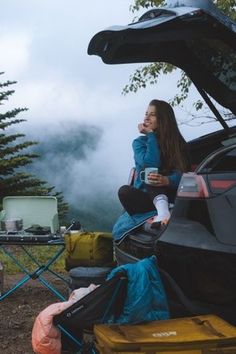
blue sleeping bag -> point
(146, 299)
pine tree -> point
(14, 179)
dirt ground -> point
(19, 310)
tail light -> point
(220, 186)
(192, 186)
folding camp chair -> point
(104, 303)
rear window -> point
(219, 58)
(156, 13)
(224, 163)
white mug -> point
(144, 174)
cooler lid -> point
(34, 210)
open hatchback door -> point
(190, 34)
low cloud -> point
(78, 162)
(16, 50)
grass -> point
(41, 253)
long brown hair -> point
(174, 151)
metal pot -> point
(12, 225)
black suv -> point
(197, 250)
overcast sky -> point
(43, 46)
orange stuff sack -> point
(46, 338)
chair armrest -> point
(131, 176)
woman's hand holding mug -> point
(148, 175)
(158, 179)
(151, 176)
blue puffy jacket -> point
(145, 299)
(147, 154)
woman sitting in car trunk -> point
(162, 146)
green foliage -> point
(183, 83)
(149, 74)
(14, 158)
(226, 6)
(145, 4)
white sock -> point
(162, 205)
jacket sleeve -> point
(147, 151)
(174, 178)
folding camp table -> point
(33, 211)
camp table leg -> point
(46, 267)
(37, 274)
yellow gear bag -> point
(208, 334)
(89, 249)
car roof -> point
(190, 34)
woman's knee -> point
(124, 191)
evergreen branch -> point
(21, 146)
(4, 95)
(11, 150)
(8, 124)
(11, 181)
(18, 176)
(7, 166)
(6, 139)
(12, 113)
(7, 83)
(14, 185)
